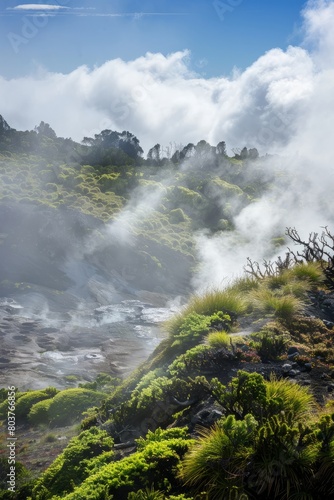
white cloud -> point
(38, 6)
(159, 99)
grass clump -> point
(215, 463)
(284, 307)
(218, 339)
(308, 271)
(295, 400)
(228, 300)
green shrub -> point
(193, 327)
(176, 216)
(250, 393)
(73, 465)
(191, 360)
(324, 478)
(66, 407)
(154, 466)
(50, 438)
(271, 342)
(39, 412)
(245, 394)
(26, 400)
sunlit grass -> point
(296, 399)
(229, 301)
(310, 272)
(218, 339)
(298, 289)
(284, 307)
(245, 284)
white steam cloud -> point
(282, 103)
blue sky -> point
(220, 34)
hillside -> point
(236, 400)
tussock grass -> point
(218, 339)
(216, 461)
(229, 301)
(310, 271)
(277, 282)
(296, 399)
(244, 284)
(298, 289)
(284, 307)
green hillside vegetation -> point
(182, 415)
(98, 177)
(236, 402)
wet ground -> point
(39, 348)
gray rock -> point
(286, 367)
(294, 373)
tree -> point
(253, 154)
(244, 153)
(221, 148)
(45, 130)
(176, 158)
(154, 154)
(4, 127)
(188, 151)
(108, 139)
(203, 148)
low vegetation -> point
(236, 402)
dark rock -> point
(294, 373)
(305, 382)
(207, 417)
(330, 388)
(293, 355)
(293, 350)
(308, 366)
(286, 367)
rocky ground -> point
(38, 349)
